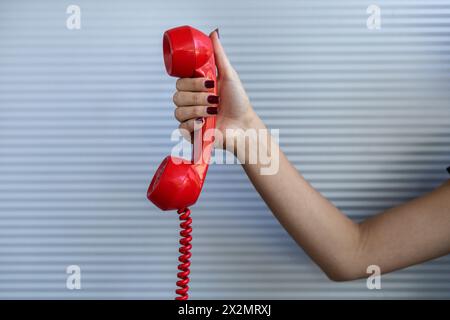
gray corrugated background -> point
(86, 116)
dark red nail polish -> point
(209, 84)
(213, 99)
(211, 110)
(217, 31)
(199, 120)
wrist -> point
(245, 137)
(251, 121)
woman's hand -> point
(194, 99)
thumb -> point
(223, 64)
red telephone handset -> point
(176, 185)
(188, 53)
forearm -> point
(401, 236)
(329, 237)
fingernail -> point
(199, 120)
(211, 110)
(213, 99)
(209, 84)
(217, 31)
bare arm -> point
(399, 237)
(411, 233)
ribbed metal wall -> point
(86, 116)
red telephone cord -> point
(185, 251)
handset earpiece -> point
(185, 50)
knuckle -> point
(177, 114)
(195, 98)
(175, 97)
(178, 84)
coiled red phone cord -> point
(185, 256)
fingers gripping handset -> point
(188, 53)
(177, 183)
